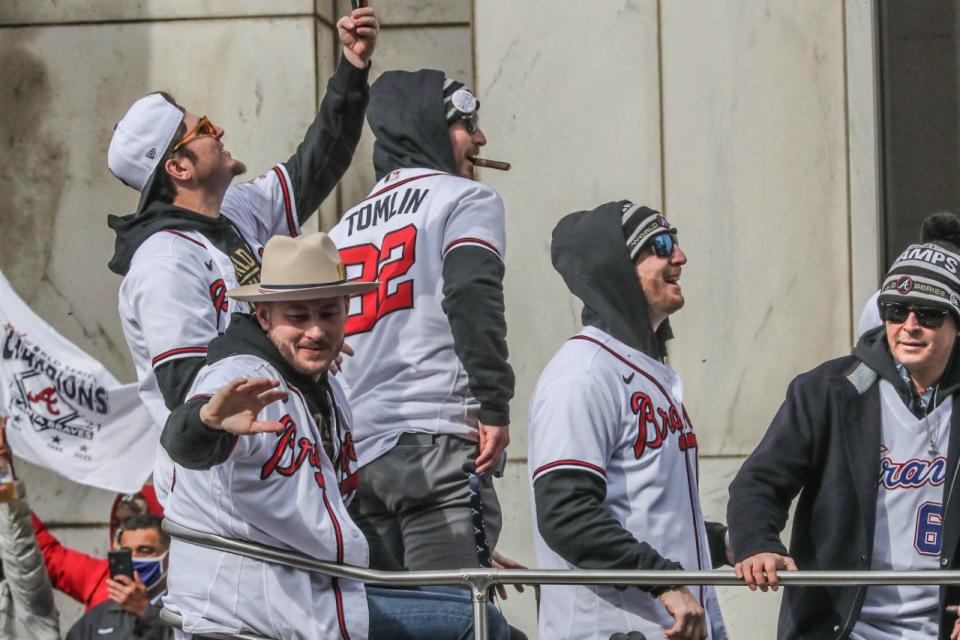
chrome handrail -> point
(480, 580)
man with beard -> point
(193, 236)
(612, 451)
(288, 473)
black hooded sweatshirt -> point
(210, 447)
(314, 169)
(407, 118)
(590, 252)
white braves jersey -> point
(909, 519)
(405, 375)
(279, 489)
(604, 408)
(172, 299)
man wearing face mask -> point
(133, 608)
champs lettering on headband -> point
(639, 225)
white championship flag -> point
(67, 412)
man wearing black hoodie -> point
(193, 236)
(612, 451)
(869, 443)
(430, 383)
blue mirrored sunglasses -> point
(663, 244)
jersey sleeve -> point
(172, 307)
(214, 377)
(477, 219)
(573, 425)
(263, 207)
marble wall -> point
(737, 120)
(750, 124)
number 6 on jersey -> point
(387, 263)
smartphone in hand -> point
(121, 563)
(358, 4)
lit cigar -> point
(492, 164)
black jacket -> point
(824, 444)
(107, 621)
(590, 252)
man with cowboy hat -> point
(193, 235)
(287, 481)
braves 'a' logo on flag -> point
(49, 397)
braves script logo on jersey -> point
(653, 435)
(346, 465)
(299, 450)
(218, 295)
(913, 473)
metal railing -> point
(480, 580)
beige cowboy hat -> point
(302, 268)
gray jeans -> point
(413, 505)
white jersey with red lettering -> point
(604, 408)
(279, 489)
(172, 299)
(909, 520)
(405, 376)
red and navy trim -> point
(570, 463)
(401, 183)
(179, 351)
(474, 242)
(287, 200)
(687, 442)
(185, 237)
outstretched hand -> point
(358, 32)
(235, 407)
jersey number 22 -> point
(391, 260)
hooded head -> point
(410, 114)
(595, 252)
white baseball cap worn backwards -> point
(140, 140)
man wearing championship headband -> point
(193, 236)
(612, 451)
(288, 474)
(870, 444)
(430, 384)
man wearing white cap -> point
(289, 472)
(193, 236)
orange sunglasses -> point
(203, 128)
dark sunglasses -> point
(663, 244)
(928, 317)
(472, 121)
(203, 128)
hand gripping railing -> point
(480, 580)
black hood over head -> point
(133, 230)
(244, 336)
(407, 118)
(590, 252)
